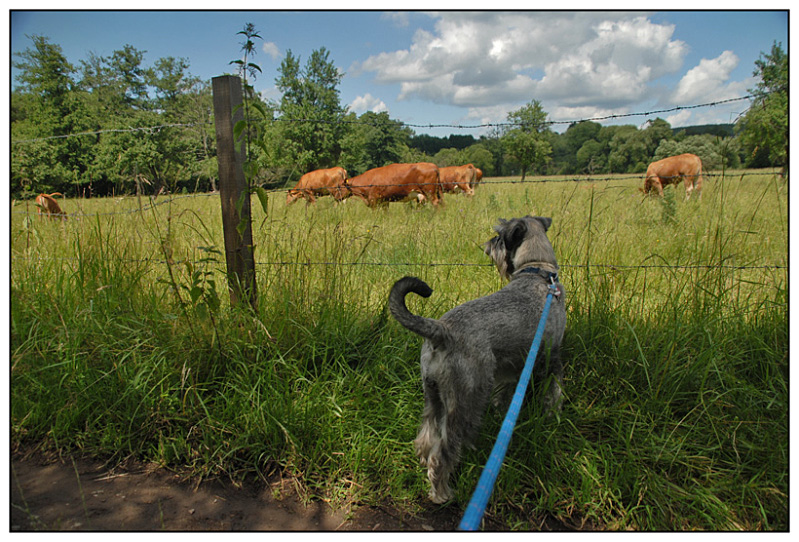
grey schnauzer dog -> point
(481, 346)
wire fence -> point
(158, 127)
(612, 267)
(591, 179)
(596, 266)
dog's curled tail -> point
(426, 327)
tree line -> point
(117, 124)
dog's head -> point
(521, 241)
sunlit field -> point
(123, 343)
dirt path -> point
(82, 495)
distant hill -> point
(722, 130)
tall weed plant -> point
(123, 343)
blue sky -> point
(459, 68)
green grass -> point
(676, 414)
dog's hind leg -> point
(430, 430)
(455, 419)
(431, 443)
(552, 399)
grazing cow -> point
(687, 167)
(458, 177)
(394, 182)
(49, 206)
(321, 182)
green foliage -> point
(430, 145)
(714, 152)
(527, 142)
(81, 122)
(53, 109)
(477, 155)
(764, 128)
(375, 140)
(248, 70)
(627, 150)
(311, 94)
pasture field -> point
(676, 411)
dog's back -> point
(506, 319)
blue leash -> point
(485, 486)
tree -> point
(119, 88)
(374, 141)
(449, 157)
(714, 152)
(567, 146)
(310, 107)
(590, 158)
(764, 127)
(656, 131)
(45, 157)
(629, 151)
(493, 143)
(130, 77)
(386, 139)
(104, 125)
(527, 141)
(480, 157)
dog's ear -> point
(513, 234)
(501, 226)
(545, 221)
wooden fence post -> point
(233, 190)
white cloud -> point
(595, 61)
(615, 66)
(706, 81)
(367, 102)
(681, 118)
(271, 49)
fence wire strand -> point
(587, 179)
(158, 127)
(610, 267)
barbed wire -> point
(508, 124)
(156, 128)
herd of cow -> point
(424, 182)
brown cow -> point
(321, 182)
(394, 182)
(454, 177)
(49, 206)
(687, 167)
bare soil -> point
(78, 494)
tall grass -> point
(123, 344)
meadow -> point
(675, 416)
